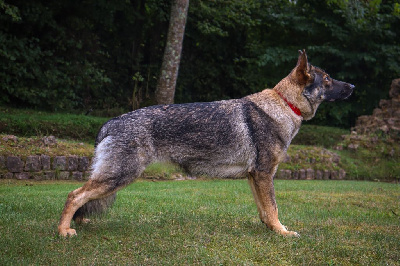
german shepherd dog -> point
(225, 138)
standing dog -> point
(225, 138)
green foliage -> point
(32, 123)
(23, 147)
(67, 55)
(81, 55)
(205, 222)
(327, 137)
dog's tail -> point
(93, 207)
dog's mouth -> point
(344, 94)
(351, 89)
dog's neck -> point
(291, 105)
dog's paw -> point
(285, 232)
(290, 234)
(66, 232)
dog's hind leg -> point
(91, 190)
(262, 186)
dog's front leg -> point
(262, 186)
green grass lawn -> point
(205, 222)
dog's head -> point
(313, 86)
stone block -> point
(310, 173)
(334, 175)
(394, 88)
(295, 175)
(72, 163)
(319, 174)
(63, 175)
(45, 161)
(22, 175)
(37, 175)
(2, 163)
(327, 175)
(8, 175)
(15, 164)
(302, 174)
(60, 163)
(32, 164)
(49, 175)
(77, 176)
(83, 163)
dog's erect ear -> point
(302, 75)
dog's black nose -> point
(350, 86)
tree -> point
(165, 91)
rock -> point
(77, 176)
(309, 173)
(37, 175)
(8, 175)
(32, 164)
(295, 175)
(63, 175)
(49, 175)
(302, 174)
(14, 164)
(395, 88)
(83, 163)
(72, 163)
(334, 175)
(49, 141)
(10, 138)
(384, 119)
(353, 146)
(60, 163)
(326, 175)
(22, 176)
(2, 162)
(45, 161)
(319, 174)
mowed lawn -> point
(205, 222)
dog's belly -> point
(225, 163)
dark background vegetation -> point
(74, 56)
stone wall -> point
(310, 174)
(44, 167)
(386, 118)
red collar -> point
(291, 105)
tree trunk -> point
(172, 54)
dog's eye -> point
(326, 78)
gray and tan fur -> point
(225, 138)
